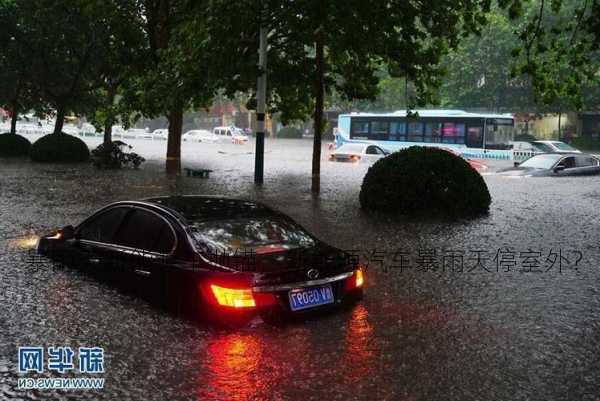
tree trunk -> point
(174, 143)
(108, 123)
(559, 118)
(60, 119)
(110, 119)
(15, 114)
(319, 95)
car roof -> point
(195, 208)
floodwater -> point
(518, 319)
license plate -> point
(303, 298)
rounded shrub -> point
(60, 148)
(289, 132)
(424, 180)
(114, 155)
(13, 145)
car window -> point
(586, 161)
(371, 150)
(103, 227)
(256, 235)
(146, 231)
(567, 162)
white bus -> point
(482, 136)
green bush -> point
(12, 145)
(60, 148)
(424, 180)
(585, 143)
(289, 132)
(525, 138)
(113, 156)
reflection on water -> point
(232, 362)
(360, 346)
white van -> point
(234, 134)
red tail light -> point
(233, 297)
(357, 280)
(355, 157)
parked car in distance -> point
(146, 134)
(358, 152)
(134, 133)
(555, 165)
(160, 134)
(231, 258)
(554, 147)
(118, 132)
(199, 135)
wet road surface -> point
(495, 327)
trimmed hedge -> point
(585, 143)
(424, 180)
(289, 132)
(14, 145)
(62, 148)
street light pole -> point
(261, 95)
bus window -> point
(433, 132)
(475, 137)
(453, 133)
(359, 130)
(498, 136)
(415, 132)
(398, 131)
(379, 130)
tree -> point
(69, 42)
(174, 77)
(318, 46)
(16, 90)
(560, 51)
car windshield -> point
(249, 235)
(541, 161)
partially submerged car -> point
(555, 164)
(358, 152)
(199, 135)
(554, 147)
(232, 258)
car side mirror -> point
(68, 232)
(558, 168)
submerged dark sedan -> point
(229, 257)
(556, 164)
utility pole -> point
(261, 95)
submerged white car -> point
(358, 152)
(554, 147)
(199, 135)
(160, 134)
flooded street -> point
(454, 310)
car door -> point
(94, 237)
(144, 244)
(566, 167)
(373, 153)
(587, 165)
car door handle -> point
(144, 273)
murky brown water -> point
(497, 332)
